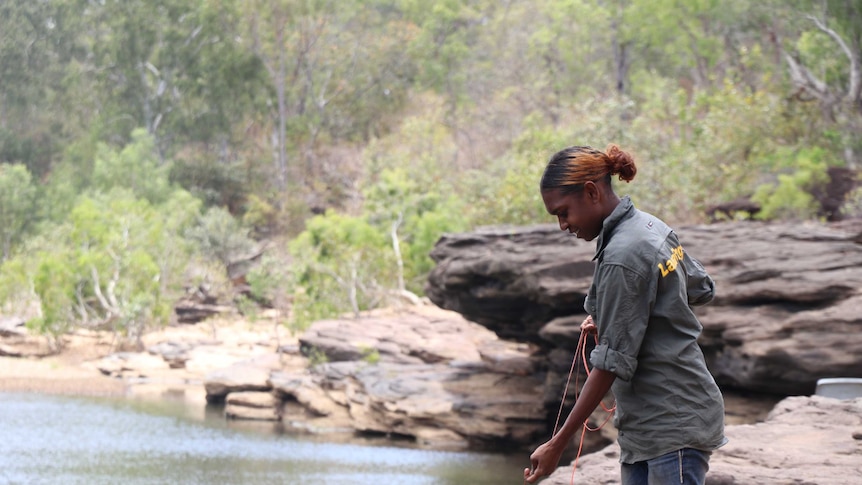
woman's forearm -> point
(595, 388)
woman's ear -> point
(592, 192)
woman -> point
(670, 412)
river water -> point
(47, 439)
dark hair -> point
(571, 168)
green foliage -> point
(247, 307)
(315, 356)
(852, 206)
(790, 197)
(259, 214)
(430, 159)
(507, 192)
(39, 41)
(118, 243)
(223, 183)
(422, 232)
(17, 294)
(69, 178)
(17, 206)
(272, 283)
(447, 30)
(174, 67)
(220, 236)
(370, 355)
(117, 259)
(816, 49)
(721, 144)
(405, 118)
(414, 218)
(136, 167)
(55, 284)
(341, 264)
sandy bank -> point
(79, 369)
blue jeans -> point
(686, 466)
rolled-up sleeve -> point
(624, 300)
(700, 286)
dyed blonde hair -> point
(571, 168)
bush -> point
(790, 197)
(341, 263)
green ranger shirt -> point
(640, 300)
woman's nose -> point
(563, 224)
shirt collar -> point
(622, 211)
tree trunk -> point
(396, 246)
(281, 162)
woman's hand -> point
(543, 461)
(588, 326)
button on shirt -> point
(641, 297)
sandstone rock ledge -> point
(804, 441)
(787, 311)
(421, 373)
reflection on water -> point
(61, 440)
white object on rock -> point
(839, 387)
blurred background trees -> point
(143, 143)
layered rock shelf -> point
(788, 308)
(422, 373)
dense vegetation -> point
(148, 145)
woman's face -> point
(578, 213)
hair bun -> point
(621, 163)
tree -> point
(220, 236)
(136, 167)
(175, 68)
(116, 264)
(336, 69)
(117, 260)
(790, 197)
(17, 206)
(413, 217)
(825, 65)
(341, 263)
(38, 42)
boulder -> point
(17, 341)
(477, 407)
(251, 399)
(308, 391)
(422, 335)
(243, 376)
(505, 357)
(199, 303)
(249, 405)
(437, 379)
(512, 280)
(174, 353)
(804, 440)
(788, 308)
(130, 364)
(12, 327)
(27, 346)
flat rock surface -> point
(422, 335)
(804, 441)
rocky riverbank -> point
(787, 311)
(174, 360)
(419, 373)
(490, 373)
(804, 440)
